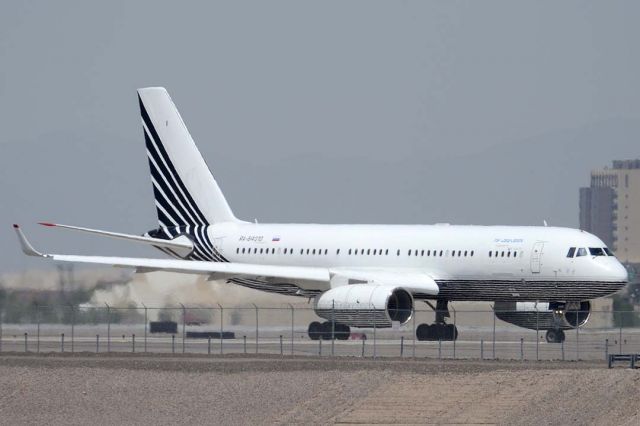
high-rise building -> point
(610, 208)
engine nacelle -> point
(365, 305)
(544, 316)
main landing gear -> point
(555, 336)
(328, 329)
(439, 330)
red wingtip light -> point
(46, 224)
(16, 226)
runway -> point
(270, 389)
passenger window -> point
(490, 253)
(471, 253)
(465, 253)
(502, 255)
(441, 253)
(338, 251)
(596, 251)
(572, 251)
(515, 253)
(242, 250)
(386, 252)
(453, 253)
(349, 252)
(255, 250)
(398, 252)
(581, 252)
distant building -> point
(610, 208)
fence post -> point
(184, 323)
(38, 329)
(108, 328)
(133, 343)
(374, 333)
(244, 338)
(208, 345)
(292, 323)
(1, 322)
(439, 348)
(281, 352)
(256, 308)
(146, 322)
(221, 327)
(62, 342)
(414, 331)
(401, 346)
(522, 349)
(606, 349)
(320, 346)
(494, 332)
(25, 342)
(620, 339)
(455, 329)
(173, 343)
(577, 334)
(363, 341)
(73, 325)
(562, 348)
(537, 333)
(333, 327)
(97, 343)
(481, 350)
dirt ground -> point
(83, 389)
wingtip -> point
(26, 246)
(46, 224)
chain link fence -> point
(283, 330)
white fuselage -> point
(467, 262)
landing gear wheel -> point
(423, 332)
(315, 330)
(435, 332)
(342, 332)
(555, 336)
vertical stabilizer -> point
(184, 189)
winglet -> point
(27, 248)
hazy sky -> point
(379, 112)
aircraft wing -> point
(307, 277)
(315, 278)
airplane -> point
(357, 275)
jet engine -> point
(365, 305)
(544, 316)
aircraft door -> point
(536, 257)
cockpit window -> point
(609, 252)
(596, 251)
(572, 251)
(581, 252)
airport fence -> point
(283, 330)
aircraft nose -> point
(620, 272)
